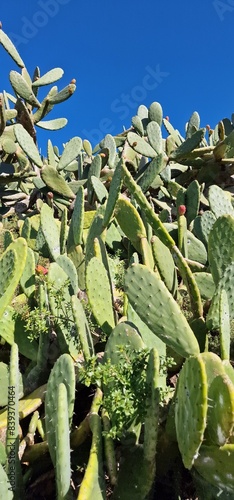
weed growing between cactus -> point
(116, 304)
(125, 401)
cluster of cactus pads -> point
(124, 247)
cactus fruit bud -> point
(181, 209)
(167, 118)
(41, 269)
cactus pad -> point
(220, 418)
(191, 409)
(216, 465)
(140, 145)
(12, 264)
(62, 372)
(220, 203)
(220, 246)
(99, 294)
(156, 307)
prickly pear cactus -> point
(99, 294)
(62, 373)
(191, 409)
(156, 307)
(216, 465)
(12, 264)
(220, 247)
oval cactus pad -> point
(191, 408)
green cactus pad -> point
(12, 264)
(93, 484)
(63, 95)
(203, 225)
(220, 246)
(4, 376)
(149, 338)
(63, 231)
(132, 476)
(99, 189)
(62, 439)
(224, 325)
(220, 417)
(214, 366)
(10, 48)
(69, 268)
(56, 182)
(99, 294)
(93, 223)
(9, 146)
(140, 145)
(226, 283)
(25, 230)
(94, 169)
(50, 231)
(22, 88)
(12, 330)
(142, 111)
(87, 147)
(27, 144)
(55, 124)
(220, 203)
(109, 143)
(216, 465)
(156, 113)
(130, 222)
(137, 124)
(229, 370)
(76, 254)
(156, 307)
(188, 145)
(8, 237)
(205, 284)
(192, 201)
(124, 334)
(114, 237)
(70, 152)
(52, 160)
(77, 220)
(82, 327)
(155, 136)
(191, 409)
(149, 175)
(62, 372)
(196, 250)
(193, 124)
(114, 191)
(174, 134)
(45, 107)
(27, 280)
(165, 264)
(48, 78)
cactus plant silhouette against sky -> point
(128, 55)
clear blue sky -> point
(126, 53)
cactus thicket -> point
(116, 303)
